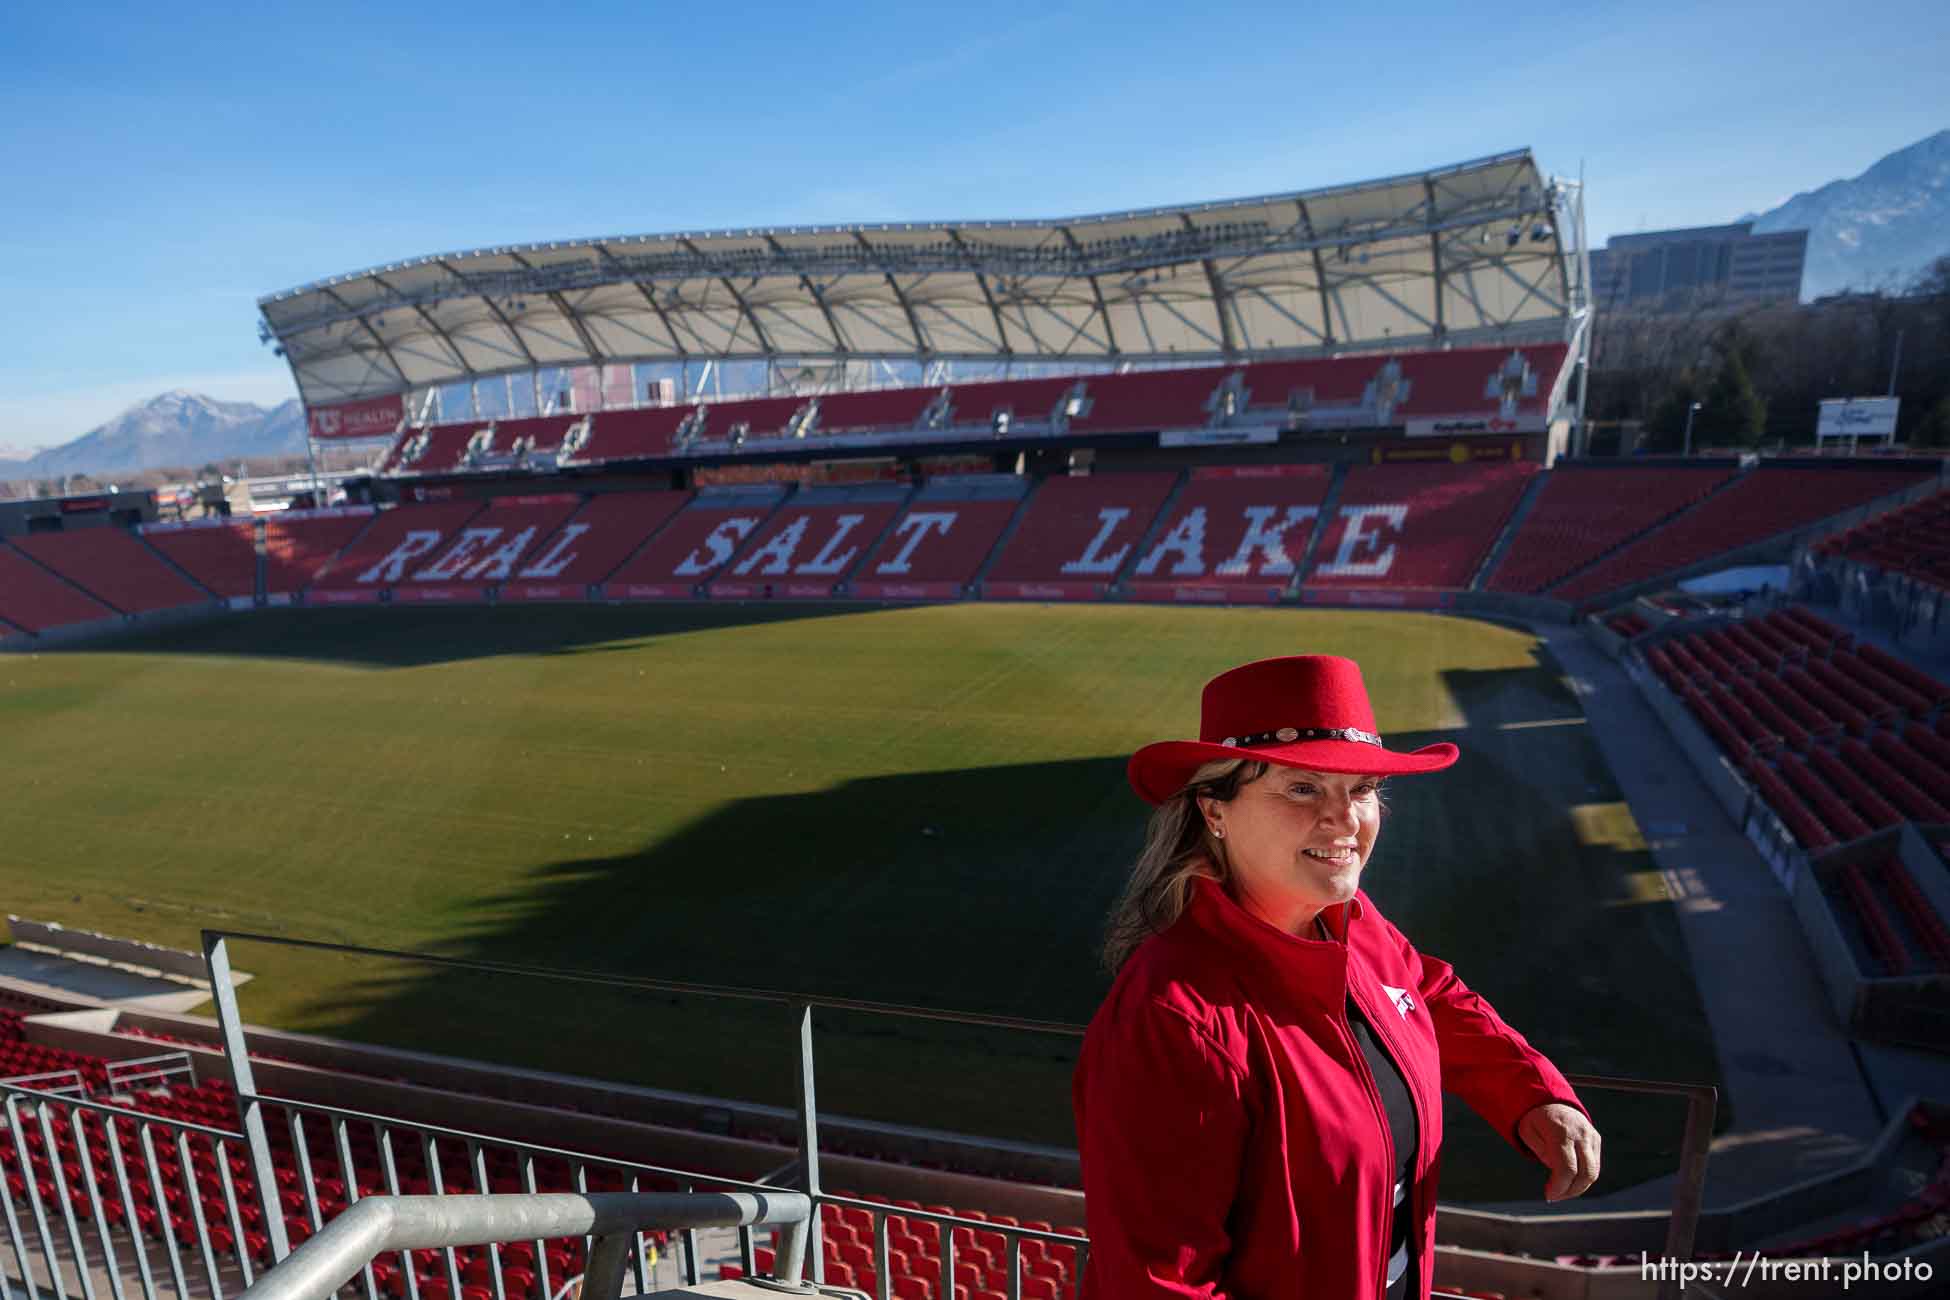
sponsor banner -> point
(1043, 590)
(434, 494)
(334, 596)
(805, 590)
(376, 418)
(279, 598)
(1218, 437)
(430, 595)
(908, 590)
(544, 591)
(1256, 471)
(83, 505)
(735, 591)
(539, 499)
(329, 512)
(1186, 593)
(1858, 417)
(243, 602)
(1450, 426)
(188, 525)
(1377, 598)
(1460, 452)
(647, 591)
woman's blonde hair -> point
(1178, 849)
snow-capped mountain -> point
(1878, 230)
(176, 429)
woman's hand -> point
(1561, 1137)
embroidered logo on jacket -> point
(1403, 1002)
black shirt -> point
(1401, 1127)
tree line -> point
(1759, 373)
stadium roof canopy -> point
(1478, 252)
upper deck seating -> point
(1144, 401)
(539, 433)
(1480, 381)
(115, 567)
(1077, 535)
(762, 417)
(399, 542)
(1025, 401)
(811, 544)
(219, 553)
(591, 544)
(1762, 503)
(1234, 533)
(1422, 526)
(496, 545)
(1582, 512)
(1274, 389)
(694, 546)
(445, 446)
(887, 409)
(300, 543)
(935, 549)
(643, 434)
(35, 600)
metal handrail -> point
(381, 1224)
(1689, 1185)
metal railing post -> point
(810, 1246)
(602, 1276)
(216, 960)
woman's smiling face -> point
(1296, 841)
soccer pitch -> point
(921, 805)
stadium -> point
(675, 783)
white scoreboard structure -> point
(1856, 418)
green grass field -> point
(923, 806)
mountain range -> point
(177, 429)
(1879, 230)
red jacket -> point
(1232, 1139)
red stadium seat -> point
(115, 567)
(1416, 526)
(1232, 534)
(1582, 513)
(1076, 535)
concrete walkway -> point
(1802, 1098)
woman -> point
(1258, 1101)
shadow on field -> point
(413, 636)
(984, 890)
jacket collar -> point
(1317, 965)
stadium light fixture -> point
(1691, 411)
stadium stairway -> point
(1149, 537)
(1604, 556)
(170, 563)
(1002, 540)
(1500, 547)
(1329, 504)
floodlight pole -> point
(1691, 411)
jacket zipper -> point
(1387, 1138)
(1383, 1037)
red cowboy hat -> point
(1306, 711)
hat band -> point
(1287, 735)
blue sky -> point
(172, 163)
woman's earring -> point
(1218, 832)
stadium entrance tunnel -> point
(984, 890)
(377, 636)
